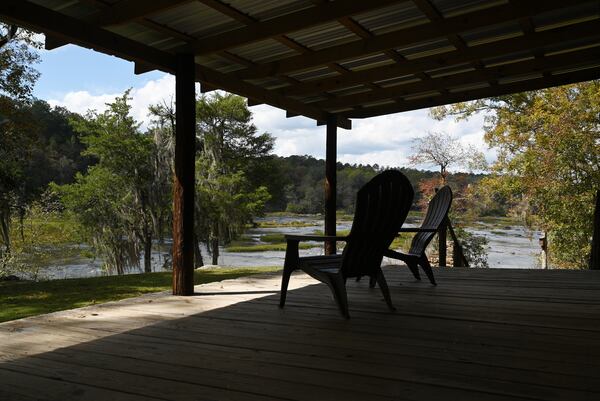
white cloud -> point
(384, 140)
(151, 93)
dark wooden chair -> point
(381, 207)
(437, 214)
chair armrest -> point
(323, 238)
(417, 230)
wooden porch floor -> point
(480, 335)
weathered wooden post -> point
(595, 255)
(330, 182)
(184, 178)
(543, 241)
(442, 251)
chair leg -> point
(372, 281)
(338, 287)
(424, 262)
(414, 268)
(384, 289)
(289, 265)
(285, 280)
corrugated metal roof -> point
(264, 51)
(346, 57)
(263, 10)
(388, 19)
(196, 19)
(323, 36)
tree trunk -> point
(199, 261)
(148, 253)
(214, 244)
(5, 222)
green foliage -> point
(228, 194)
(115, 200)
(304, 183)
(474, 248)
(21, 298)
(44, 236)
(548, 164)
(17, 77)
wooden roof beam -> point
(130, 10)
(72, 30)
(260, 30)
(497, 90)
(380, 43)
(494, 49)
(542, 65)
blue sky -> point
(81, 79)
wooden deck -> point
(480, 335)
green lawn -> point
(20, 299)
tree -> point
(117, 200)
(17, 77)
(548, 165)
(443, 150)
(229, 149)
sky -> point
(81, 80)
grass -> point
(266, 247)
(20, 299)
(275, 238)
(275, 224)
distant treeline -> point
(299, 187)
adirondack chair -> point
(381, 207)
(437, 213)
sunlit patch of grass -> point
(267, 247)
(275, 224)
(273, 238)
(20, 299)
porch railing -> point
(458, 255)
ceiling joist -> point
(260, 30)
(414, 54)
(399, 38)
(130, 10)
(530, 66)
(496, 90)
(68, 29)
(499, 48)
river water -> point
(509, 247)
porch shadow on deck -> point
(480, 335)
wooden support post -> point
(184, 179)
(458, 256)
(595, 256)
(330, 183)
(442, 251)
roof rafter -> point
(497, 90)
(65, 28)
(542, 65)
(130, 10)
(260, 30)
(380, 43)
(493, 49)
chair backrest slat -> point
(381, 208)
(436, 214)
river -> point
(510, 246)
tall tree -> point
(17, 78)
(229, 147)
(548, 144)
(117, 200)
(442, 150)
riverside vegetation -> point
(109, 180)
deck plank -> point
(488, 334)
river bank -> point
(510, 245)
